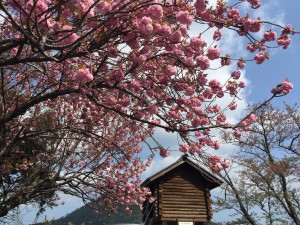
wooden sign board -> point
(185, 223)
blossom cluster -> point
(216, 163)
(113, 71)
(283, 88)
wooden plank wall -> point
(182, 195)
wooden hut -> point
(182, 195)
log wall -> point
(183, 196)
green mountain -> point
(87, 216)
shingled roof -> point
(213, 180)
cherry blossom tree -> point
(265, 189)
(84, 83)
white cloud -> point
(277, 15)
(160, 163)
(230, 45)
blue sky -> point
(261, 78)
(282, 64)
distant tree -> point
(47, 222)
(15, 217)
(264, 186)
(84, 83)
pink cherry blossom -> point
(255, 25)
(283, 88)
(284, 41)
(164, 30)
(217, 35)
(251, 47)
(171, 70)
(196, 44)
(225, 61)
(232, 106)
(184, 147)
(184, 30)
(252, 117)
(164, 153)
(207, 16)
(176, 36)
(260, 57)
(145, 25)
(214, 83)
(242, 84)
(184, 17)
(270, 35)
(155, 12)
(234, 14)
(225, 164)
(84, 75)
(203, 62)
(254, 3)
(104, 7)
(221, 119)
(213, 53)
(236, 75)
(241, 64)
(216, 163)
(153, 109)
(288, 30)
(237, 133)
(200, 5)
